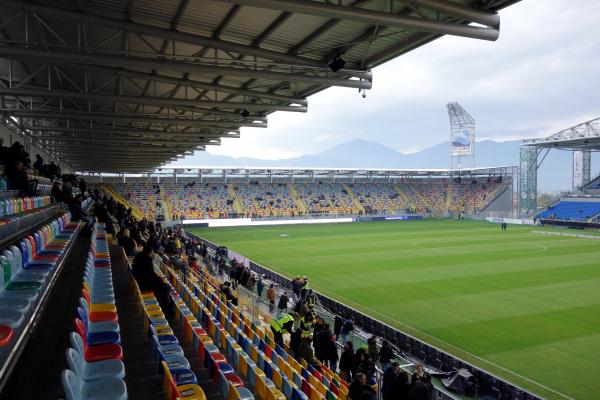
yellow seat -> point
(190, 392)
(275, 394)
(163, 330)
(103, 307)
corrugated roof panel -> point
(296, 28)
(203, 17)
(250, 22)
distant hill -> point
(554, 175)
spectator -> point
(17, 179)
(330, 353)
(38, 165)
(271, 297)
(373, 351)
(359, 390)
(260, 285)
(346, 329)
(56, 192)
(337, 325)
(283, 303)
(421, 389)
(296, 283)
(148, 280)
(194, 266)
(347, 369)
(386, 354)
(127, 243)
(392, 389)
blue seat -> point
(96, 370)
(96, 327)
(103, 389)
(177, 363)
(184, 377)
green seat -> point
(10, 284)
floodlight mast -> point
(462, 136)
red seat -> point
(6, 333)
(99, 352)
(235, 380)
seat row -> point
(221, 371)
(96, 370)
(26, 270)
(179, 381)
(272, 372)
(11, 209)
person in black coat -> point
(283, 302)
(347, 362)
(421, 389)
(148, 280)
(337, 325)
(386, 354)
(359, 390)
(330, 353)
(390, 375)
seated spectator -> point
(17, 179)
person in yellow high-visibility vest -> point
(281, 324)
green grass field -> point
(520, 305)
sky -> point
(542, 75)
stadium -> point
(127, 274)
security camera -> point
(364, 95)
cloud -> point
(538, 78)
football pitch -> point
(523, 306)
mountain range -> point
(554, 174)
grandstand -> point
(216, 197)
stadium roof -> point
(584, 136)
(331, 172)
(129, 85)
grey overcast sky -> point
(542, 75)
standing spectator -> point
(347, 362)
(421, 389)
(271, 297)
(337, 325)
(38, 165)
(304, 287)
(127, 243)
(330, 353)
(283, 303)
(386, 354)
(373, 351)
(56, 192)
(296, 288)
(390, 377)
(260, 285)
(346, 329)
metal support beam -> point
(149, 100)
(355, 14)
(363, 80)
(161, 33)
(130, 132)
(127, 119)
(193, 84)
